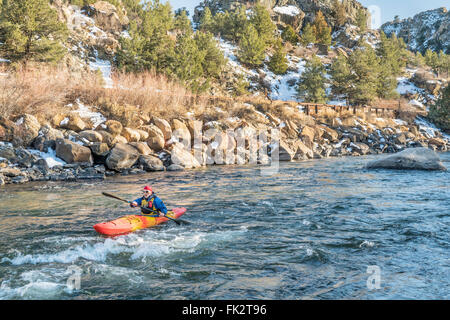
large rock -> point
(113, 127)
(122, 156)
(132, 135)
(180, 156)
(164, 126)
(413, 158)
(142, 147)
(91, 135)
(107, 16)
(28, 129)
(72, 152)
(181, 132)
(47, 138)
(151, 163)
(7, 129)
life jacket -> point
(149, 203)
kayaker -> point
(151, 201)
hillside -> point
(115, 86)
(426, 30)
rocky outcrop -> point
(426, 30)
(410, 159)
(307, 9)
(107, 16)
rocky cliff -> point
(303, 10)
(426, 30)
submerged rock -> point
(412, 159)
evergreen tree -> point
(130, 56)
(341, 77)
(188, 62)
(278, 63)
(308, 35)
(30, 31)
(214, 61)
(339, 13)
(235, 24)
(251, 47)
(290, 35)
(392, 52)
(322, 31)
(440, 111)
(311, 85)
(361, 20)
(432, 60)
(206, 23)
(365, 75)
(260, 18)
(182, 22)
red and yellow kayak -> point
(135, 222)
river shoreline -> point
(56, 154)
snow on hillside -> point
(287, 10)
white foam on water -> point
(366, 243)
(139, 245)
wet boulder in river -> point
(412, 159)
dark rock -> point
(412, 158)
(151, 163)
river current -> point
(319, 229)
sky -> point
(382, 10)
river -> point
(319, 229)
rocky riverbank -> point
(71, 148)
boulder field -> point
(69, 149)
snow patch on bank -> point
(49, 157)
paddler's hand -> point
(133, 204)
(161, 214)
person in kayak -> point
(150, 201)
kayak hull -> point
(130, 223)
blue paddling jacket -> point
(153, 202)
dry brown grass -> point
(145, 93)
(39, 91)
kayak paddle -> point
(146, 210)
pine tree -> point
(440, 111)
(392, 53)
(206, 23)
(339, 13)
(290, 35)
(130, 56)
(188, 62)
(308, 35)
(260, 18)
(311, 85)
(235, 24)
(365, 75)
(361, 20)
(251, 47)
(341, 77)
(278, 63)
(322, 31)
(432, 60)
(30, 31)
(214, 61)
(182, 22)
